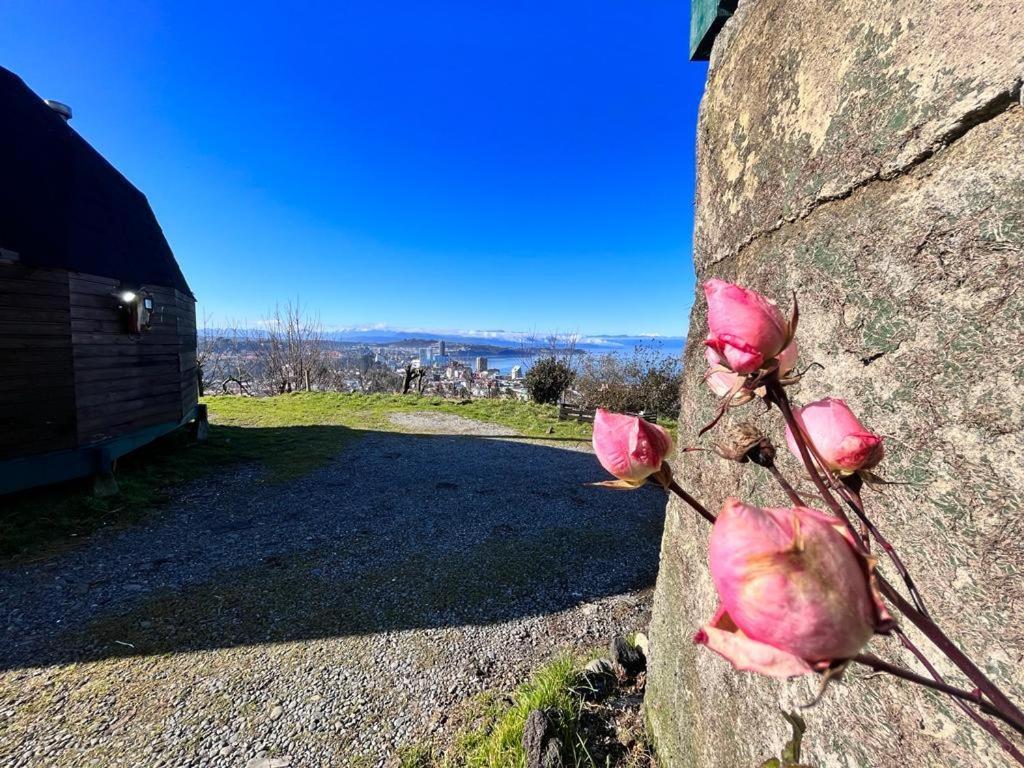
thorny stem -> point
(776, 394)
(932, 631)
(987, 725)
(784, 484)
(700, 508)
(879, 665)
(852, 496)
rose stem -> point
(987, 725)
(877, 664)
(784, 483)
(932, 631)
(700, 508)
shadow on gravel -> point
(399, 532)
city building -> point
(481, 364)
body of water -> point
(668, 347)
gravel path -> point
(327, 621)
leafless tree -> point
(206, 351)
(290, 349)
(373, 377)
(235, 363)
(557, 345)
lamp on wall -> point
(137, 308)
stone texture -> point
(873, 163)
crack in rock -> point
(983, 113)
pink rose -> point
(796, 594)
(629, 447)
(745, 329)
(843, 443)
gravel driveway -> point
(326, 621)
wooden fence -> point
(570, 412)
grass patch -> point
(373, 411)
(498, 742)
(494, 738)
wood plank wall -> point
(37, 393)
(124, 382)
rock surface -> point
(872, 161)
(540, 743)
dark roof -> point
(62, 205)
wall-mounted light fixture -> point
(136, 308)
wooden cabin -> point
(97, 323)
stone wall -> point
(870, 156)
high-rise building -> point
(517, 371)
(481, 364)
(440, 348)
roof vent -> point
(61, 109)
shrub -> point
(547, 379)
(645, 381)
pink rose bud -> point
(796, 594)
(629, 447)
(841, 441)
(746, 329)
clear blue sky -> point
(472, 164)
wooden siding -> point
(123, 382)
(37, 397)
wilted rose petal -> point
(720, 379)
(724, 638)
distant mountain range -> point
(498, 338)
(488, 341)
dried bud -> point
(744, 442)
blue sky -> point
(477, 165)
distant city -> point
(266, 361)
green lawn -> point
(358, 411)
(290, 435)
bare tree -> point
(235, 362)
(290, 349)
(373, 377)
(209, 353)
(556, 345)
